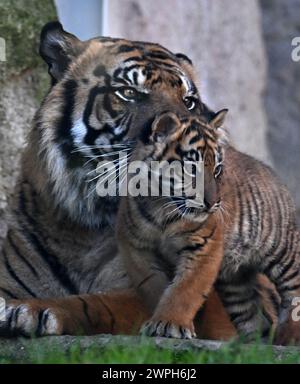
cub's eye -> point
(190, 102)
(127, 94)
(218, 170)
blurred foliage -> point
(20, 25)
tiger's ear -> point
(218, 119)
(183, 58)
(164, 125)
(58, 48)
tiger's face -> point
(194, 141)
(110, 89)
(105, 93)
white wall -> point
(83, 18)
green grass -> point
(146, 352)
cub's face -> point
(109, 91)
(186, 155)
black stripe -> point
(58, 270)
(134, 58)
(144, 212)
(107, 106)
(239, 318)
(239, 301)
(15, 277)
(8, 293)
(113, 321)
(160, 56)
(108, 39)
(254, 223)
(18, 253)
(289, 288)
(275, 262)
(41, 322)
(191, 248)
(196, 246)
(289, 277)
(85, 308)
(126, 48)
(92, 133)
(145, 280)
(135, 78)
(183, 57)
(241, 213)
(281, 276)
(63, 131)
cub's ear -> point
(58, 48)
(164, 125)
(183, 58)
(218, 119)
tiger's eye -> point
(218, 171)
(190, 102)
(127, 94)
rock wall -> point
(23, 82)
(281, 23)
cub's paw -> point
(167, 329)
(26, 319)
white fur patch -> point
(52, 324)
(141, 78)
(78, 131)
(186, 83)
(25, 320)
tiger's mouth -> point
(194, 210)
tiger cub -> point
(175, 253)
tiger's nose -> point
(211, 203)
(208, 203)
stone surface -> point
(281, 23)
(23, 82)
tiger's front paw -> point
(29, 319)
(166, 328)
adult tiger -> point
(60, 249)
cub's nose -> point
(208, 203)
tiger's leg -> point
(285, 275)
(200, 261)
(118, 312)
(213, 321)
(245, 304)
